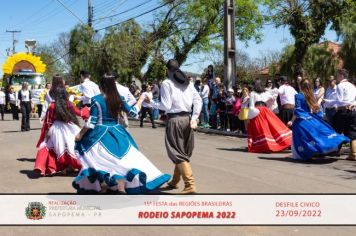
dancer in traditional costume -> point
(345, 103)
(286, 95)
(88, 88)
(57, 81)
(266, 132)
(178, 96)
(107, 151)
(57, 140)
(311, 134)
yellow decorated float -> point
(26, 67)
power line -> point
(43, 17)
(70, 11)
(113, 9)
(105, 6)
(123, 12)
(142, 14)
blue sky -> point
(43, 20)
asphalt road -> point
(220, 164)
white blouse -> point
(25, 95)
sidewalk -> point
(202, 130)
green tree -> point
(53, 66)
(348, 34)
(83, 52)
(318, 62)
(348, 50)
(121, 50)
(307, 21)
(156, 69)
(197, 26)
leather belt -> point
(260, 104)
(344, 108)
(288, 106)
(179, 114)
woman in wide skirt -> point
(266, 132)
(108, 153)
(56, 144)
(311, 134)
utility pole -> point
(90, 14)
(14, 41)
(229, 44)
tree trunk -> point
(300, 51)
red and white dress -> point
(56, 149)
(266, 132)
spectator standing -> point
(297, 84)
(155, 95)
(197, 84)
(2, 103)
(13, 101)
(319, 91)
(204, 94)
(230, 116)
(147, 107)
(243, 114)
(221, 109)
(211, 76)
(215, 90)
(24, 96)
(330, 94)
(274, 92)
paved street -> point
(220, 164)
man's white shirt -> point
(125, 92)
(177, 98)
(89, 90)
(345, 95)
(287, 94)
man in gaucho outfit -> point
(178, 99)
(344, 120)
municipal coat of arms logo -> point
(35, 211)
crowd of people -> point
(300, 115)
(306, 118)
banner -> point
(178, 210)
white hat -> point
(230, 90)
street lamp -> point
(30, 45)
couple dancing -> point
(108, 154)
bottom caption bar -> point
(178, 210)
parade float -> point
(26, 67)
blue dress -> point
(108, 153)
(311, 134)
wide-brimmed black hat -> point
(180, 77)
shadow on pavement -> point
(30, 174)
(34, 175)
(23, 159)
(233, 149)
(313, 161)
